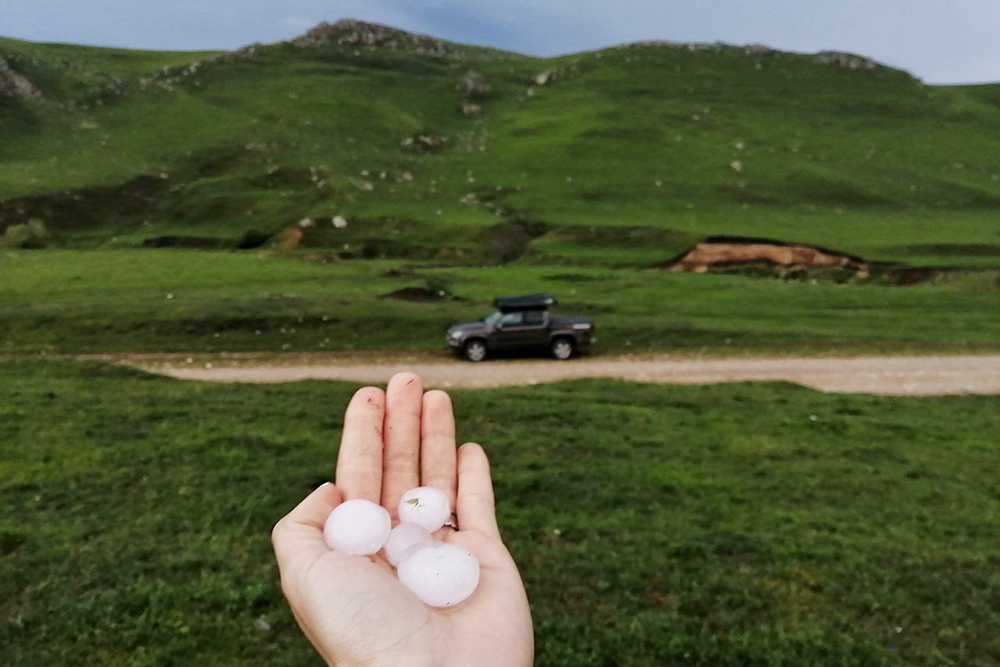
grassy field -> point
(193, 301)
(620, 159)
(722, 525)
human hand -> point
(353, 608)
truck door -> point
(507, 332)
(523, 329)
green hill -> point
(425, 142)
(391, 160)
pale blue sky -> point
(941, 42)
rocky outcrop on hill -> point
(711, 47)
(13, 84)
(360, 33)
(839, 59)
(346, 32)
(169, 77)
(845, 60)
(730, 252)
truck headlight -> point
(455, 334)
(582, 326)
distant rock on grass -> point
(424, 142)
(474, 86)
(13, 84)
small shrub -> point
(32, 235)
(10, 539)
(252, 239)
(505, 242)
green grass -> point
(194, 301)
(729, 525)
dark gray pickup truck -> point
(522, 323)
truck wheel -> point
(474, 350)
(562, 348)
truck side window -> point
(511, 319)
(533, 318)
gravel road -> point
(906, 376)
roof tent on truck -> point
(524, 302)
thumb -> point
(299, 535)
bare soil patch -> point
(729, 252)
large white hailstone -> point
(403, 540)
(441, 575)
(357, 528)
(424, 506)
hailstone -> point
(403, 540)
(424, 506)
(441, 575)
(357, 527)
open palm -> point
(352, 608)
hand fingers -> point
(300, 533)
(437, 444)
(476, 508)
(401, 458)
(359, 463)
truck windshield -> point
(493, 317)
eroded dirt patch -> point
(724, 252)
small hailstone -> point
(357, 528)
(403, 540)
(425, 506)
(441, 575)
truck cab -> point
(522, 323)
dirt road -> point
(873, 375)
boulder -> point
(13, 84)
(474, 86)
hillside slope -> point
(420, 144)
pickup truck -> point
(522, 323)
